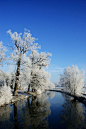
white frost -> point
(72, 80)
(5, 95)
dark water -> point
(51, 110)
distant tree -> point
(2, 52)
(72, 80)
(22, 46)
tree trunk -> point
(33, 90)
(17, 77)
(29, 88)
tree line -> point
(30, 67)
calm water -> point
(51, 110)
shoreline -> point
(23, 95)
(81, 98)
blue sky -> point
(59, 25)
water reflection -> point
(33, 115)
(35, 112)
(5, 117)
(28, 113)
(73, 114)
(15, 116)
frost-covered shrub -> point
(72, 80)
(5, 95)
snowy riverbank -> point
(81, 97)
(22, 94)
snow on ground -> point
(84, 90)
(19, 91)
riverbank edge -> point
(21, 96)
(14, 99)
(80, 98)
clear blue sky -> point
(59, 25)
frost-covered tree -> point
(40, 80)
(22, 46)
(40, 59)
(24, 78)
(33, 57)
(31, 67)
(2, 52)
(72, 80)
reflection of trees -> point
(28, 113)
(5, 117)
(35, 114)
(5, 112)
(73, 114)
(15, 115)
(50, 94)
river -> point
(50, 110)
